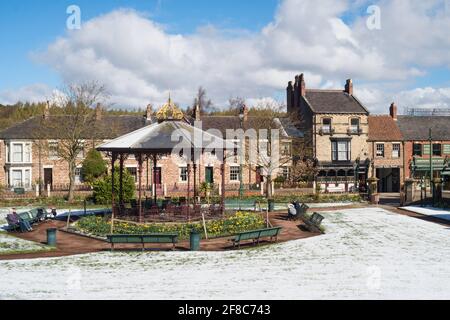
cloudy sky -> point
(143, 49)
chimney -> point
(46, 114)
(149, 112)
(302, 85)
(349, 87)
(197, 114)
(393, 111)
(98, 112)
(290, 97)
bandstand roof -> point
(163, 137)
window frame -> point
(231, 175)
(436, 154)
(328, 126)
(335, 151)
(398, 155)
(181, 174)
(420, 152)
(352, 126)
(382, 150)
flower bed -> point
(239, 222)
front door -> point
(209, 175)
(396, 180)
(48, 177)
(259, 177)
(157, 176)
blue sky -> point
(250, 48)
(30, 25)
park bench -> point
(143, 239)
(300, 211)
(256, 235)
(313, 223)
(34, 215)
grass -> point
(10, 244)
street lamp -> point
(241, 184)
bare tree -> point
(74, 124)
(201, 100)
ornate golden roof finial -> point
(169, 111)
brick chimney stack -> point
(149, 112)
(349, 87)
(46, 114)
(290, 97)
(393, 111)
(197, 113)
(302, 85)
(98, 112)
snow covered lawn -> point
(10, 244)
(366, 253)
(430, 211)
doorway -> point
(209, 175)
(157, 176)
(389, 180)
(48, 177)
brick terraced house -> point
(386, 150)
(23, 164)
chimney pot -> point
(302, 85)
(349, 87)
(393, 111)
(197, 113)
(46, 114)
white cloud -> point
(140, 62)
(32, 93)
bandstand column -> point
(139, 158)
(113, 205)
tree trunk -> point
(269, 194)
(72, 168)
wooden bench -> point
(256, 235)
(313, 223)
(143, 239)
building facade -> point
(386, 149)
(336, 128)
(24, 163)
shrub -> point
(102, 187)
(239, 222)
(93, 166)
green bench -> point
(313, 223)
(34, 215)
(255, 236)
(142, 239)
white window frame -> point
(24, 144)
(181, 174)
(23, 177)
(234, 173)
(379, 150)
(336, 152)
(78, 177)
(51, 154)
(128, 167)
(396, 153)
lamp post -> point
(431, 167)
(241, 184)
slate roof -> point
(108, 127)
(222, 123)
(163, 137)
(384, 128)
(334, 101)
(113, 126)
(417, 127)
